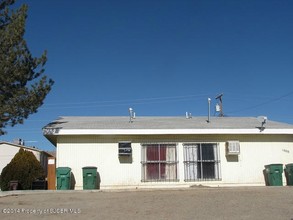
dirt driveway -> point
(193, 203)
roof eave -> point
(52, 136)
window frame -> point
(163, 164)
(198, 162)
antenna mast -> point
(219, 97)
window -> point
(201, 162)
(159, 162)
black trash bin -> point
(289, 174)
(39, 184)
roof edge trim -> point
(167, 131)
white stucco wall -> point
(102, 151)
(249, 166)
(8, 151)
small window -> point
(124, 149)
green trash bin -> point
(89, 177)
(63, 178)
(274, 174)
(289, 174)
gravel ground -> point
(192, 203)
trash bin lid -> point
(63, 170)
(89, 167)
(289, 167)
(274, 165)
(13, 181)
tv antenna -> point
(219, 106)
(263, 120)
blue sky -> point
(162, 58)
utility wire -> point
(121, 102)
(264, 103)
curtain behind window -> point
(160, 161)
(171, 171)
(190, 158)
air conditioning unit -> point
(124, 149)
(232, 148)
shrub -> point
(24, 167)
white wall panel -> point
(102, 151)
(104, 156)
(249, 165)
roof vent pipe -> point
(188, 115)
(131, 114)
(209, 110)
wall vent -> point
(232, 147)
(124, 149)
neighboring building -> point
(170, 151)
(8, 151)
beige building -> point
(170, 151)
(8, 151)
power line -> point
(264, 103)
(122, 102)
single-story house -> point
(171, 151)
(8, 151)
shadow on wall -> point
(98, 181)
(266, 177)
(72, 181)
(125, 159)
(232, 158)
